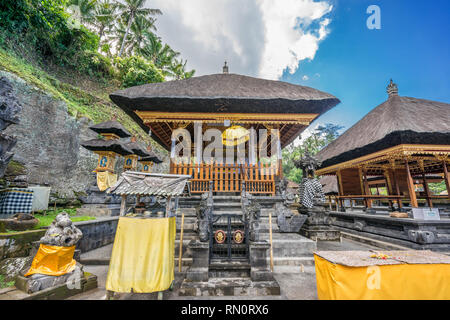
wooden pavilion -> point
(224, 101)
(402, 143)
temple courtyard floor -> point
(294, 284)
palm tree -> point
(162, 55)
(82, 9)
(105, 14)
(178, 70)
(139, 31)
(132, 9)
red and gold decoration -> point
(220, 236)
(238, 236)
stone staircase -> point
(288, 249)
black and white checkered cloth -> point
(15, 200)
(308, 190)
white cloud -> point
(257, 37)
(305, 78)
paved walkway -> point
(294, 284)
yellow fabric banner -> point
(106, 179)
(143, 255)
(383, 282)
(52, 261)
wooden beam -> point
(427, 191)
(410, 182)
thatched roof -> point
(111, 127)
(137, 149)
(150, 184)
(399, 120)
(107, 145)
(222, 93)
(329, 184)
(152, 157)
(231, 93)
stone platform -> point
(407, 232)
(59, 292)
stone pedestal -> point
(318, 224)
(198, 271)
(260, 270)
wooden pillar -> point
(339, 182)
(387, 179)
(367, 190)
(168, 205)
(446, 178)
(361, 179)
(340, 189)
(427, 191)
(123, 205)
(397, 189)
(412, 192)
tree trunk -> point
(126, 33)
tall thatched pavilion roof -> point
(399, 120)
(223, 93)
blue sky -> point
(325, 40)
(355, 63)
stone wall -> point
(96, 233)
(18, 244)
(49, 141)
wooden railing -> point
(259, 178)
(367, 199)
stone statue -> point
(62, 232)
(310, 190)
(204, 211)
(252, 213)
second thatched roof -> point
(399, 120)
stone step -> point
(229, 269)
(229, 287)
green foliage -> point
(46, 218)
(319, 139)
(437, 188)
(135, 70)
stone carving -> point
(62, 232)
(9, 108)
(204, 211)
(310, 190)
(252, 213)
(282, 190)
(288, 221)
(421, 236)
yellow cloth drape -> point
(142, 259)
(106, 179)
(52, 261)
(235, 135)
(384, 282)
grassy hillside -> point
(84, 96)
